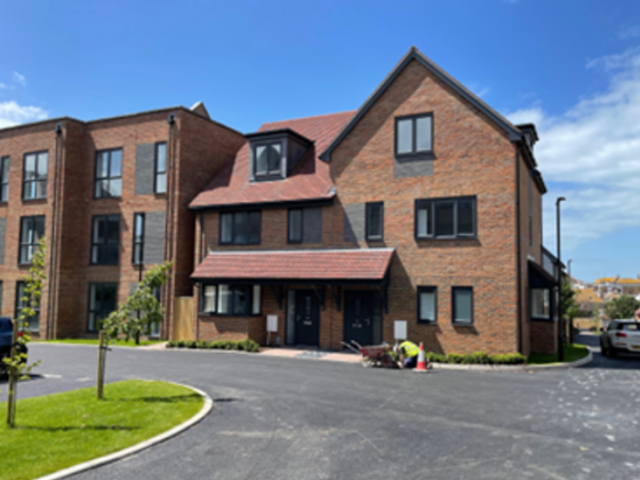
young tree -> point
(17, 364)
(622, 307)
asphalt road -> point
(280, 418)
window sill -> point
(542, 319)
(444, 239)
(427, 322)
(462, 324)
(108, 198)
(228, 315)
(35, 200)
(104, 264)
(400, 157)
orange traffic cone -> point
(422, 366)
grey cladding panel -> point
(145, 168)
(153, 238)
(312, 225)
(3, 229)
(412, 168)
(132, 287)
(354, 222)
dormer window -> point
(268, 159)
(275, 153)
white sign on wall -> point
(272, 323)
(400, 330)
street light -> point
(560, 318)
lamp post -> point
(560, 313)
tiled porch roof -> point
(367, 264)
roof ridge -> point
(308, 117)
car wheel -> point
(612, 352)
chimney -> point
(616, 279)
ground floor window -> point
(33, 322)
(541, 303)
(462, 305)
(233, 300)
(102, 301)
(427, 305)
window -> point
(462, 305)
(446, 218)
(160, 185)
(138, 238)
(33, 322)
(295, 226)
(540, 303)
(105, 239)
(427, 304)
(4, 179)
(268, 158)
(414, 135)
(375, 221)
(232, 300)
(31, 231)
(240, 228)
(34, 178)
(102, 301)
(108, 173)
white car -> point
(621, 336)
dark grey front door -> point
(358, 317)
(307, 318)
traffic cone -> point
(422, 366)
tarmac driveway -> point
(279, 418)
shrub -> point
(246, 345)
(477, 358)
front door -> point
(307, 318)
(358, 317)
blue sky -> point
(571, 66)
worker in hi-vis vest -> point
(408, 352)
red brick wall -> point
(544, 337)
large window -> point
(427, 304)
(462, 305)
(102, 301)
(138, 238)
(294, 230)
(4, 179)
(231, 300)
(34, 180)
(31, 231)
(541, 303)
(414, 135)
(33, 322)
(268, 158)
(160, 185)
(105, 240)
(446, 218)
(108, 173)
(375, 221)
(240, 228)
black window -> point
(34, 180)
(462, 305)
(446, 218)
(427, 304)
(268, 159)
(375, 221)
(108, 173)
(33, 322)
(295, 226)
(138, 238)
(105, 239)
(31, 231)
(414, 135)
(160, 185)
(4, 179)
(541, 303)
(240, 228)
(102, 301)
(231, 300)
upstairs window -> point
(240, 228)
(105, 240)
(268, 160)
(138, 238)
(160, 185)
(375, 221)
(295, 225)
(34, 178)
(414, 135)
(4, 179)
(108, 181)
(446, 218)
(31, 231)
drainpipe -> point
(168, 217)
(52, 244)
(519, 252)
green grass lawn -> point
(58, 431)
(94, 341)
(572, 353)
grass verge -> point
(61, 430)
(94, 341)
(572, 353)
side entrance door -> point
(307, 318)
(358, 317)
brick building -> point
(111, 197)
(424, 206)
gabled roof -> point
(415, 54)
(309, 181)
(587, 296)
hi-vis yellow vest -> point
(410, 349)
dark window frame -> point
(18, 308)
(427, 289)
(102, 285)
(250, 288)
(269, 175)
(234, 212)
(4, 179)
(36, 179)
(367, 212)
(108, 178)
(531, 304)
(156, 172)
(138, 243)
(289, 239)
(453, 307)
(31, 218)
(414, 137)
(105, 243)
(430, 204)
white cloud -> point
(13, 114)
(2, 85)
(591, 155)
(632, 31)
(19, 78)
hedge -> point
(477, 358)
(244, 345)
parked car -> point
(6, 334)
(621, 336)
